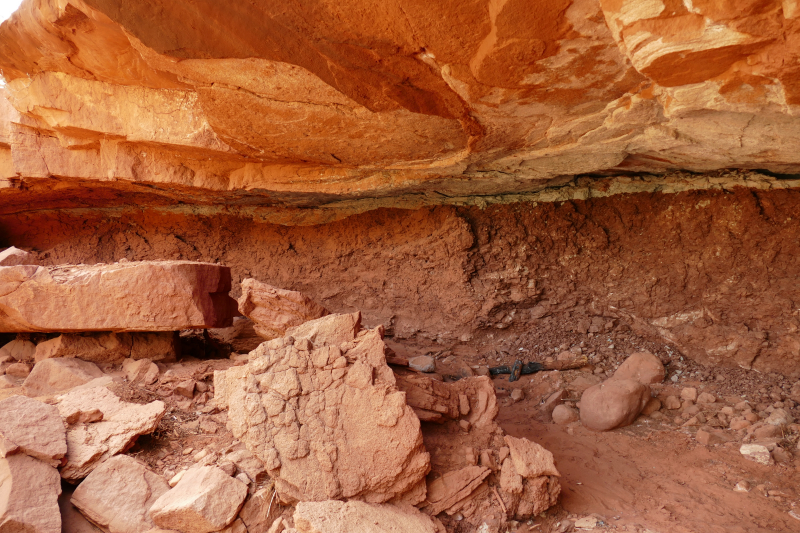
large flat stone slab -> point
(127, 296)
(100, 425)
(118, 494)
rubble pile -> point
(322, 434)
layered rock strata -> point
(208, 105)
(128, 296)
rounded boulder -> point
(643, 367)
(613, 403)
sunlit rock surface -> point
(114, 102)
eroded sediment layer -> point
(712, 271)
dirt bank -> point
(709, 273)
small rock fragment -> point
(423, 363)
(672, 403)
(517, 394)
(757, 452)
(689, 393)
(13, 256)
(564, 415)
(653, 405)
(91, 443)
(142, 371)
(706, 398)
(206, 499)
(742, 486)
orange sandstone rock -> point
(275, 310)
(130, 296)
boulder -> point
(206, 499)
(320, 416)
(143, 371)
(130, 296)
(52, 376)
(109, 347)
(19, 349)
(275, 310)
(33, 428)
(29, 502)
(355, 517)
(643, 367)
(613, 403)
(14, 256)
(118, 494)
(100, 425)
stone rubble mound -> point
(126, 296)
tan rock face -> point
(118, 494)
(319, 415)
(100, 425)
(132, 296)
(340, 99)
(33, 428)
(206, 499)
(352, 516)
(30, 502)
(275, 310)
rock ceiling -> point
(200, 102)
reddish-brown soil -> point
(714, 272)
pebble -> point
(176, 478)
(672, 403)
(517, 394)
(587, 522)
(422, 363)
(706, 398)
(689, 393)
(742, 486)
(564, 415)
(757, 452)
